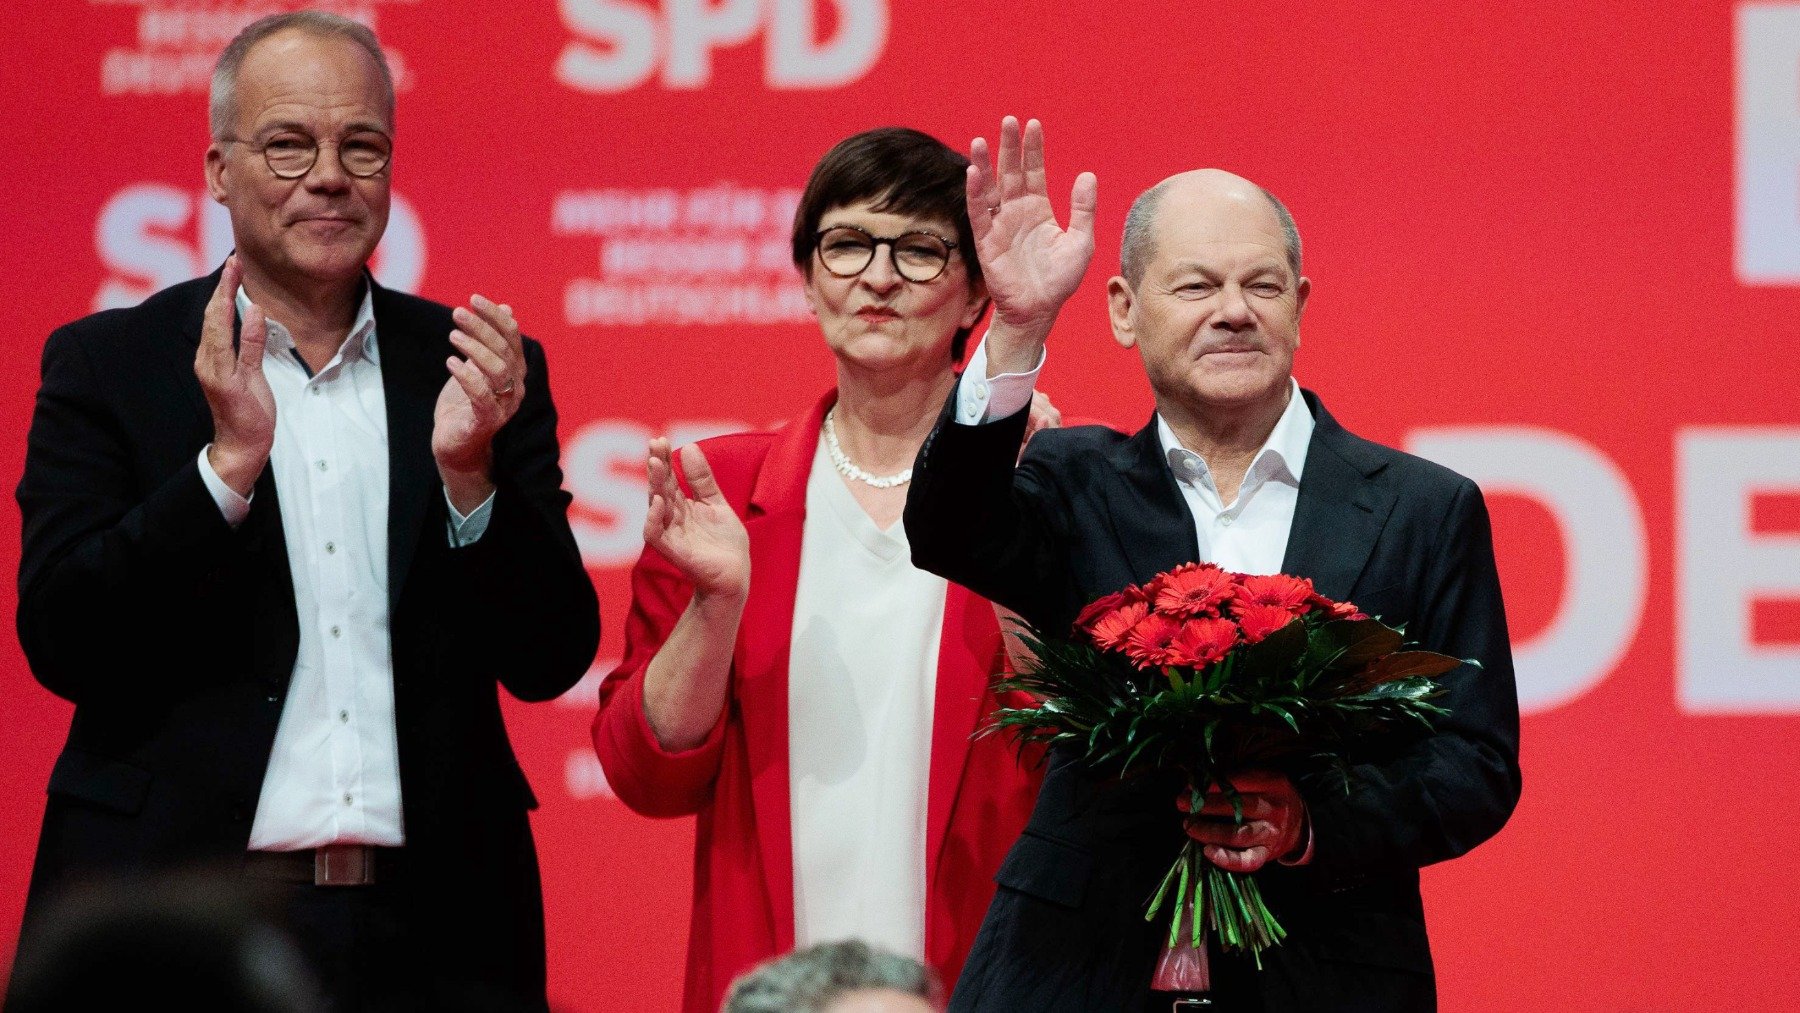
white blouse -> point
(862, 676)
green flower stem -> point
(1183, 898)
(1194, 860)
(1156, 901)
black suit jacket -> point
(175, 635)
(1090, 510)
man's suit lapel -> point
(1340, 511)
(1150, 518)
(193, 320)
(261, 535)
(412, 374)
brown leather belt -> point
(330, 865)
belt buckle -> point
(344, 865)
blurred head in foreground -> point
(844, 977)
(194, 942)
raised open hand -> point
(237, 392)
(1031, 265)
(700, 534)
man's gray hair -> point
(810, 980)
(222, 109)
(1139, 243)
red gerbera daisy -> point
(1148, 642)
(1295, 594)
(1202, 641)
(1190, 590)
(1337, 609)
(1100, 607)
(1258, 621)
(1111, 629)
(1097, 608)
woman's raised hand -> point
(700, 534)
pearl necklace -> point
(847, 468)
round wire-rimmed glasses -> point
(847, 251)
(292, 155)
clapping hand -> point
(1273, 826)
(700, 534)
(1030, 264)
(237, 392)
(482, 394)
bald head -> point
(1196, 192)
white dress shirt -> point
(862, 679)
(1247, 535)
(334, 769)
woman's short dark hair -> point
(901, 171)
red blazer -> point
(980, 793)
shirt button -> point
(322, 465)
(344, 716)
(347, 799)
(981, 388)
(316, 392)
(336, 632)
(1226, 519)
(330, 548)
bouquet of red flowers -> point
(1211, 673)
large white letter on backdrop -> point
(626, 56)
(1603, 540)
(797, 59)
(696, 28)
(1724, 566)
(603, 465)
(132, 237)
(1768, 139)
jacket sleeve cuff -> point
(645, 775)
(232, 507)
(980, 398)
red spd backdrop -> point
(1556, 247)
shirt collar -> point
(1283, 454)
(361, 341)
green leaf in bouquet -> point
(1275, 654)
(1148, 743)
(1350, 643)
(1367, 639)
(1093, 743)
(1415, 694)
(1284, 714)
(1407, 664)
(1218, 675)
(1415, 689)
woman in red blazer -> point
(696, 719)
